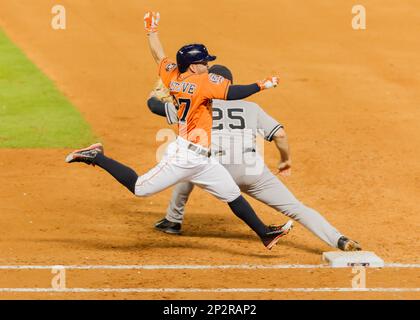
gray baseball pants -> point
(267, 188)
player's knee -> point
(293, 210)
(139, 193)
(231, 195)
(141, 190)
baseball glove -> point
(161, 92)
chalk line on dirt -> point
(191, 267)
(196, 290)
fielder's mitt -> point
(161, 92)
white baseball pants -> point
(182, 164)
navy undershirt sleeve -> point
(238, 92)
(156, 106)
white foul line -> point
(401, 265)
(194, 290)
(167, 267)
(191, 267)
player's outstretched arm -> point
(280, 139)
(151, 22)
(237, 92)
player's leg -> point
(271, 191)
(172, 223)
(180, 195)
(215, 179)
(162, 176)
(94, 155)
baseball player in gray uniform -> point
(234, 135)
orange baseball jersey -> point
(193, 94)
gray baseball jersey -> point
(236, 125)
(235, 118)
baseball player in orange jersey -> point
(189, 157)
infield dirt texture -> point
(349, 101)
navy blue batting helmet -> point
(191, 54)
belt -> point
(199, 150)
(208, 153)
(223, 152)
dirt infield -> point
(349, 101)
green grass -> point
(33, 113)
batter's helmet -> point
(191, 54)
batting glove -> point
(267, 83)
(151, 21)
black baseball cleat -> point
(347, 244)
(275, 233)
(86, 155)
(167, 226)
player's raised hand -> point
(267, 83)
(151, 21)
(284, 168)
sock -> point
(242, 209)
(124, 175)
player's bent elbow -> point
(156, 106)
(150, 103)
(280, 134)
